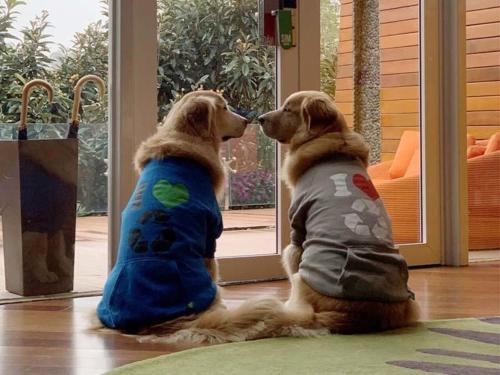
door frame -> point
(133, 118)
(132, 103)
(428, 252)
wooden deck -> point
(247, 232)
(50, 337)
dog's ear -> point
(198, 117)
(320, 114)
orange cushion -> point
(410, 141)
(470, 140)
(493, 144)
(482, 142)
(378, 181)
(414, 166)
(475, 150)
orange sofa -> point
(398, 182)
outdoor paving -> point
(248, 232)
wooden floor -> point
(50, 337)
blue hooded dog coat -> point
(168, 229)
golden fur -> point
(194, 129)
(300, 158)
(315, 130)
(310, 123)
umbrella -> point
(75, 120)
(23, 124)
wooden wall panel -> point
(481, 4)
(489, 118)
(399, 55)
(483, 45)
(483, 16)
(394, 54)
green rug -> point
(455, 347)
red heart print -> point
(366, 186)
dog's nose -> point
(261, 120)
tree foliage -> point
(8, 13)
(214, 45)
(211, 44)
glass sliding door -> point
(43, 40)
(224, 53)
(402, 145)
(483, 128)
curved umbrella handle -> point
(75, 122)
(78, 92)
(28, 87)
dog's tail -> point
(254, 319)
(268, 317)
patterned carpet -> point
(453, 347)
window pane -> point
(483, 127)
(44, 40)
(221, 51)
(396, 171)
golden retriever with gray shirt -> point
(346, 274)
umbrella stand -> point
(38, 183)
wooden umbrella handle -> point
(78, 92)
(26, 96)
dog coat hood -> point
(339, 220)
(168, 229)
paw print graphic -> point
(164, 239)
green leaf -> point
(245, 69)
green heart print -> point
(170, 195)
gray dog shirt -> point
(339, 220)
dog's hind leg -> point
(291, 257)
(296, 300)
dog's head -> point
(304, 115)
(205, 114)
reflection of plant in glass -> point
(266, 151)
(253, 188)
(330, 22)
(92, 179)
